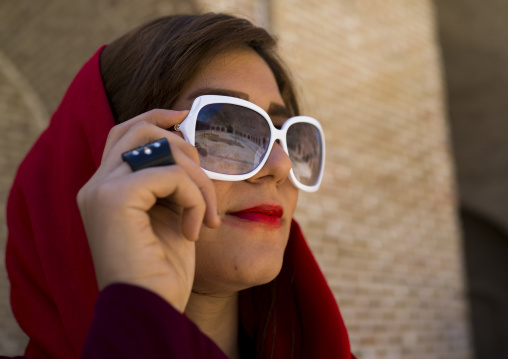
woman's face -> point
(248, 247)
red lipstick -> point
(266, 214)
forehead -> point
(242, 71)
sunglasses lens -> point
(231, 139)
(305, 148)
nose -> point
(276, 167)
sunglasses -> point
(234, 139)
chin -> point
(232, 271)
(257, 273)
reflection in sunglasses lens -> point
(305, 150)
(231, 139)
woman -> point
(194, 220)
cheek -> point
(290, 193)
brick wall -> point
(383, 226)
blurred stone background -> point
(410, 224)
(475, 57)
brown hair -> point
(148, 67)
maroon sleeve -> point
(132, 322)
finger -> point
(205, 185)
(146, 128)
(138, 135)
(173, 183)
(183, 153)
(158, 117)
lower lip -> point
(260, 218)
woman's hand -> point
(141, 226)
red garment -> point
(132, 323)
(53, 286)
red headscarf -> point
(53, 286)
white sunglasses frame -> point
(188, 126)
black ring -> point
(153, 154)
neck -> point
(217, 317)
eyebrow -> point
(274, 110)
(217, 91)
(278, 110)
